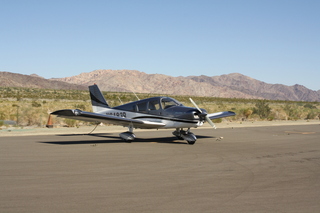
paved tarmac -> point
(256, 169)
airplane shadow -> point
(83, 134)
(115, 139)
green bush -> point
(35, 104)
(218, 120)
(262, 109)
(311, 115)
(309, 106)
(70, 122)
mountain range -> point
(233, 85)
(8, 79)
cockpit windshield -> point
(169, 102)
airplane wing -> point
(221, 114)
(96, 117)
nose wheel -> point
(185, 135)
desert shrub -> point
(262, 109)
(309, 106)
(218, 120)
(29, 116)
(312, 114)
(80, 106)
(247, 112)
(270, 118)
(2, 115)
(35, 104)
(70, 122)
(292, 111)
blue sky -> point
(272, 41)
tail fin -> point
(97, 99)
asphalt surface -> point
(256, 169)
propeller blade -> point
(206, 117)
(195, 105)
(210, 122)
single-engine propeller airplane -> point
(150, 113)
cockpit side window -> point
(142, 107)
(134, 108)
(154, 105)
(169, 102)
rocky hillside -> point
(233, 85)
(229, 86)
(250, 86)
(8, 79)
(140, 82)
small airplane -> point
(151, 113)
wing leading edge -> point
(96, 117)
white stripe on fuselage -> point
(169, 122)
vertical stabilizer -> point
(97, 99)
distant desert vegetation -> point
(31, 106)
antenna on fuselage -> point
(120, 100)
(136, 95)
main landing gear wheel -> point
(185, 135)
(127, 136)
(191, 142)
